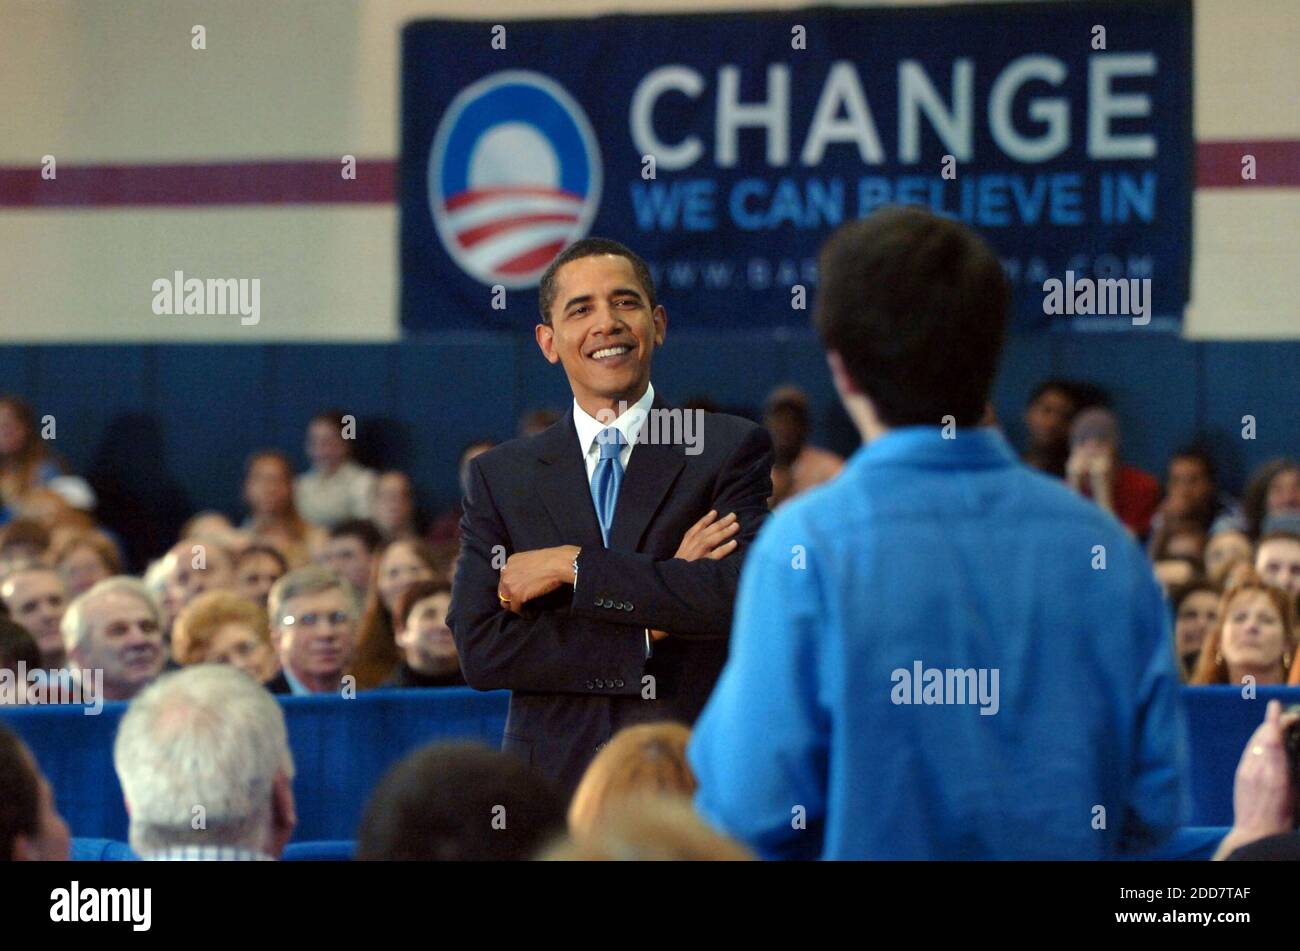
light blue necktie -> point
(608, 478)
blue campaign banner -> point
(725, 148)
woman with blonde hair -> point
(220, 627)
(643, 761)
(1254, 636)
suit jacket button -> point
(600, 603)
(627, 606)
(618, 605)
(590, 685)
(619, 682)
(600, 684)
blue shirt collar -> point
(976, 447)
(296, 686)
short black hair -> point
(361, 528)
(270, 551)
(916, 305)
(460, 802)
(17, 644)
(586, 248)
(20, 794)
(1054, 384)
(1200, 454)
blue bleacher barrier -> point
(106, 850)
(340, 748)
(100, 850)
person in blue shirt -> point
(941, 654)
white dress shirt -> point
(629, 424)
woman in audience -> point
(220, 627)
(336, 488)
(429, 657)
(85, 559)
(640, 762)
(1226, 547)
(1254, 637)
(26, 461)
(273, 519)
(1196, 611)
(1274, 488)
(394, 510)
(401, 564)
(31, 828)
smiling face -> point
(124, 640)
(316, 635)
(399, 568)
(602, 330)
(1223, 550)
(36, 599)
(237, 644)
(1278, 563)
(426, 639)
(1254, 638)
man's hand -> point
(1263, 802)
(710, 537)
(531, 574)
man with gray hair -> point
(115, 628)
(314, 630)
(203, 758)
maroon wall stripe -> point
(320, 182)
(1277, 164)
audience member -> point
(1196, 611)
(314, 629)
(214, 525)
(1192, 494)
(446, 527)
(399, 565)
(26, 461)
(85, 559)
(336, 488)
(273, 518)
(937, 561)
(350, 552)
(195, 566)
(257, 568)
(422, 636)
(36, 598)
(17, 646)
(206, 738)
(798, 465)
(1277, 559)
(394, 512)
(1178, 538)
(115, 628)
(1048, 415)
(221, 627)
(459, 802)
(1273, 488)
(535, 421)
(1095, 469)
(1226, 547)
(31, 829)
(1254, 637)
(655, 830)
(23, 540)
(643, 761)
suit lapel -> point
(651, 471)
(564, 488)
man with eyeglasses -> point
(314, 630)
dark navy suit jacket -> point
(576, 659)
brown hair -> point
(413, 595)
(18, 470)
(377, 652)
(200, 620)
(1211, 668)
(644, 760)
(96, 541)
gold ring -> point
(501, 599)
